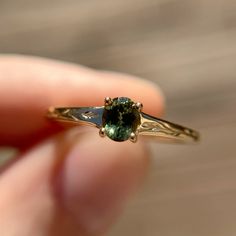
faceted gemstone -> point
(120, 119)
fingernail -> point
(97, 177)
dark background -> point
(188, 47)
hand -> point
(69, 182)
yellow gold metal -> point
(138, 106)
(107, 101)
(150, 126)
(133, 137)
(166, 130)
(102, 132)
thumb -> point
(72, 184)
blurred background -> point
(188, 47)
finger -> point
(74, 184)
(30, 85)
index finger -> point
(30, 85)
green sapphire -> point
(120, 119)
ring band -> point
(121, 119)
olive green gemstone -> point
(120, 119)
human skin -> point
(65, 181)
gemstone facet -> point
(120, 119)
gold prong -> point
(107, 101)
(133, 137)
(138, 106)
(102, 132)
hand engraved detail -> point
(164, 129)
(150, 125)
(89, 115)
(159, 127)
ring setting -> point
(122, 119)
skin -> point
(65, 180)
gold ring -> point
(121, 119)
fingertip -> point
(55, 83)
(97, 178)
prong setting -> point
(120, 119)
(107, 101)
(138, 106)
(102, 132)
(133, 137)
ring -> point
(122, 119)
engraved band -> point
(150, 126)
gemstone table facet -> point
(120, 119)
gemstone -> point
(120, 119)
